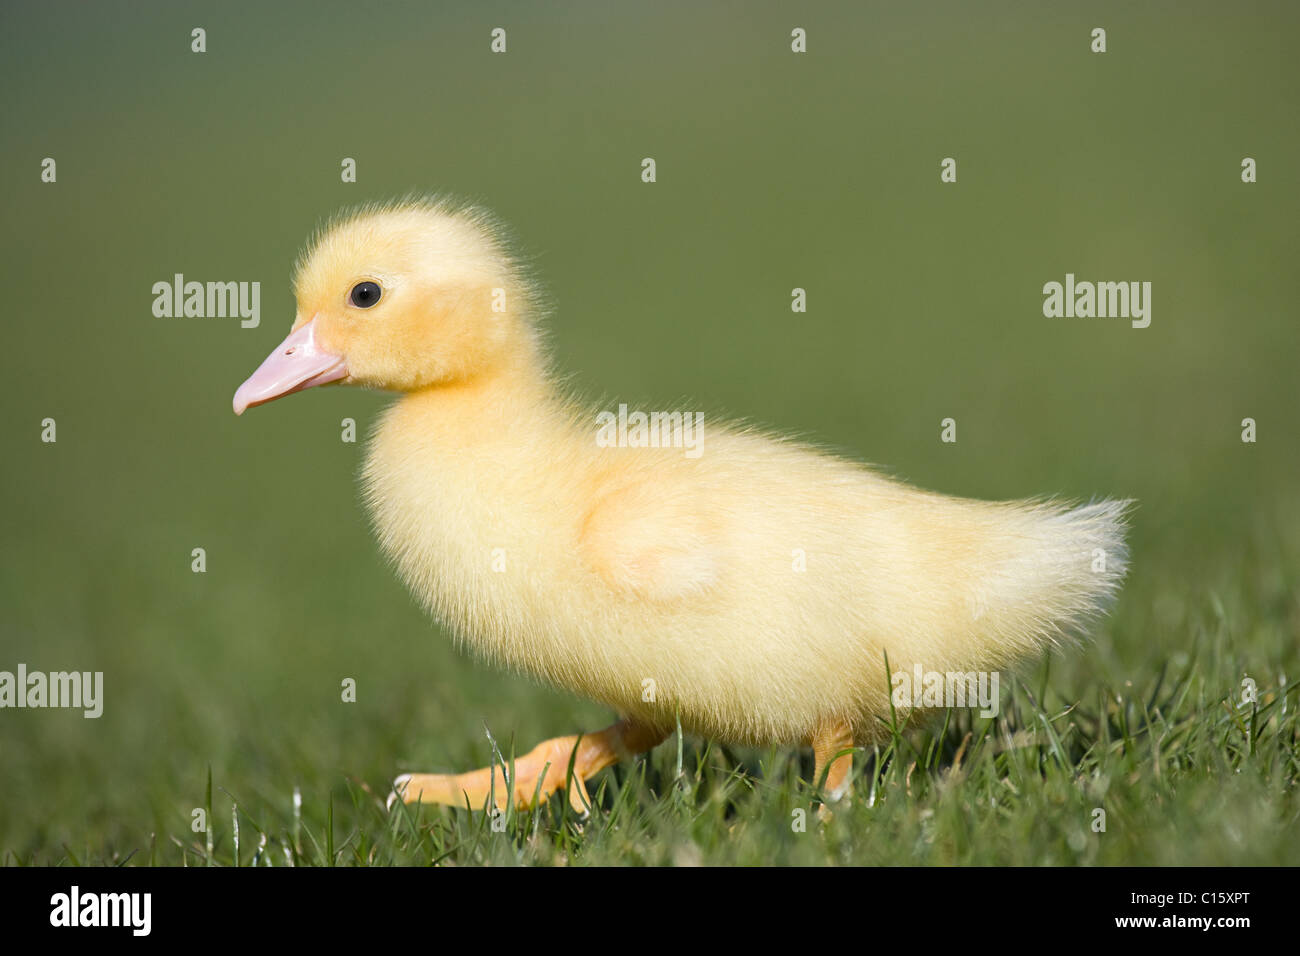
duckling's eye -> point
(365, 294)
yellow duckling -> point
(751, 588)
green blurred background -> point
(775, 170)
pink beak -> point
(297, 363)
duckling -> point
(750, 593)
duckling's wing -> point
(652, 545)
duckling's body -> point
(753, 592)
(600, 569)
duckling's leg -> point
(829, 740)
(548, 763)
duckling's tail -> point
(1053, 569)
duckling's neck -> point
(499, 447)
(514, 404)
(465, 480)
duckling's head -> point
(401, 297)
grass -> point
(1184, 771)
(223, 689)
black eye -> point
(365, 294)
